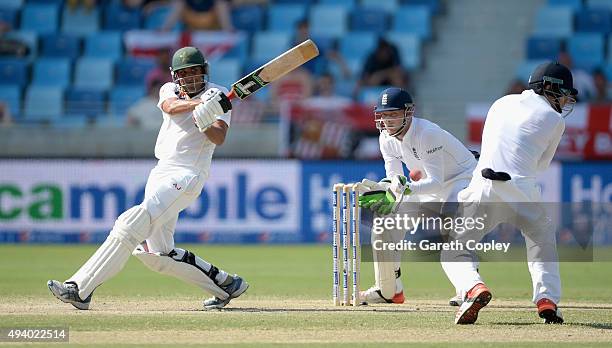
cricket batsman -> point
(440, 166)
(520, 137)
(184, 152)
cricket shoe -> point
(373, 295)
(68, 293)
(478, 297)
(455, 301)
(236, 288)
(548, 311)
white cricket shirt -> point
(520, 136)
(179, 141)
(435, 152)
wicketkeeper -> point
(440, 167)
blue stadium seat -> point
(388, 5)
(283, 17)
(225, 72)
(267, 45)
(104, 45)
(53, 72)
(433, 5)
(11, 96)
(369, 19)
(248, 18)
(328, 20)
(543, 48)
(413, 20)
(600, 4)
(409, 47)
(586, 50)
(43, 103)
(158, 16)
(369, 95)
(30, 38)
(11, 4)
(574, 4)
(122, 97)
(85, 102)
(80, 21)
(607, 69)
(348, 4)
(13, 72)
(306, 2)
(117, 17)
(357, 44)
(41, 18)
(9, 16)
(594, 21)
(524, 70)
(133, 71)
(240, 50)
(93, 73)
(60, 46)
(554, 21)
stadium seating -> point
(357, 45)
(413, 20)
(388, 5)
(573, 4)
(13, 72)
(267, 45)
(133, 71)
(328, 20)
(554, 21)
(43, 103)
(409, 47)
(80, 21)
(85, 102)
(117, 17)
(225, 72)
(248, 18)
(543, 48)
(283, 17)
(158, 16)
(122, 97)
(11, 96)
(53, 72)
(525, 69)
(40, 18)
(30, 38)
(93, 73)
(595, 20)
(586, 50)
(11, 4)
(599, 4)
(104, 45)
(60, 46)
(348, 4)
(433, 5)
(9, 16)
(369, 19)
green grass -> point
(289, 303)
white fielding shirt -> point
(520, 136)
(441, 158)
(179, 141)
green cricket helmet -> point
(189, 57)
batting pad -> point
(131, 228)
(194, 271)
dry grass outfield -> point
(128, 321)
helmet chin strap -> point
(404, 123)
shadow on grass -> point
(603, 326)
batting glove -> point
(214, 103)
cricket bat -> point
(274, 69)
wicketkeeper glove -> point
(383, 202)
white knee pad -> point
(133, 226)
(184, 265)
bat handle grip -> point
(231, 95)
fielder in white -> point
(185, 153)
(443, 167)
(520, 137)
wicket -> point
(346, 218)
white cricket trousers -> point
(169, 190)
(518, 202)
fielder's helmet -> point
(554, 73)
(392, 99)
